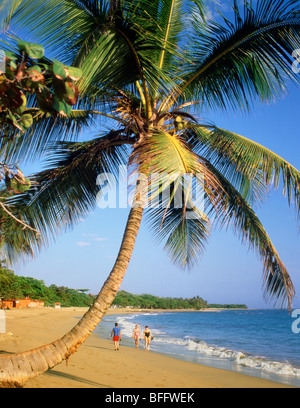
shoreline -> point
(125, 310)
(97, 365)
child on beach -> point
(136, 334)
(117, 336)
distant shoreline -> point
(125, 310)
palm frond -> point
(167, 157)
(251, 186)
(113, 48)
(233, 64)
(7, 8)
(184, 230)
(44, 130)
(67, 191)
(125, 52)
(233, 211)
(175, 183)
(176, 157)
(233, 154)
(54, 22)
(170, 26)
(16, 240)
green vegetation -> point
(146, 301)
(28, 72)
(226, 306)
(13, 286)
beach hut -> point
(21, 303)
(7, 304)
(57, 305)
(36, 303)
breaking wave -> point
(235, 357)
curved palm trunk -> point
(17, 368)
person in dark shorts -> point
(116, 335)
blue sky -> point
(228, 272)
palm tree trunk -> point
(17, 368)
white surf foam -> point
(236, 357)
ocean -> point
(262, 343)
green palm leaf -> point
(45, 129)
(112, 47)
(185, 233)
(244, 157)
(234, 211)
(67, 191)
(7, 9)
(233, 64)
(170, 25)
(15, 239)
(165, 158)
(175, 182)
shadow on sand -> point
(75, 378)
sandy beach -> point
(97, 365)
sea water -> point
(260, 343)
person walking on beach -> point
(136, 334)
(116, 335)
(147, 338)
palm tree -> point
(149, 69)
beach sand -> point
(97, 365)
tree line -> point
(18, 287)
(147, 301)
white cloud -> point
(94, 237)
(83, 243)
(110, 257)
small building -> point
(57, 305)
(36, 303)
(22, 303)
(7, 304)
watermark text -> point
(296, 322)
(159, 190)
(2, 62)
(2, 322)
(296, 63)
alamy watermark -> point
(160, 190)
(2, 322)
(296, 323)
(2, 62)
(296, 63)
